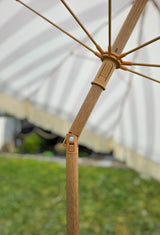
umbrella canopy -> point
(45, 75)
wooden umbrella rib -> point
(62, 30)
(139, 47)
(140, 74)
(109, 20)
(81, 25)
(140, 64)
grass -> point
(112, 201)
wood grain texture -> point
(98, 85)
(86, 110)
(72, 194)
(128, 25)
(104, 73)
(72, 189)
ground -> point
(112, 201)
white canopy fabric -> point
(45, 75)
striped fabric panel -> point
(39, 63)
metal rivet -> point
(71, 138)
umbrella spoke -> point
(139, 64)
(62, 30)
(140, 74)
(139, 47)
(109, 28)
(82, 26)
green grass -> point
(112, 201)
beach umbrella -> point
(74, 61)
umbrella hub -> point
(113, 57)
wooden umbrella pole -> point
(72, 184)
(98, 85)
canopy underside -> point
(45, 76)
